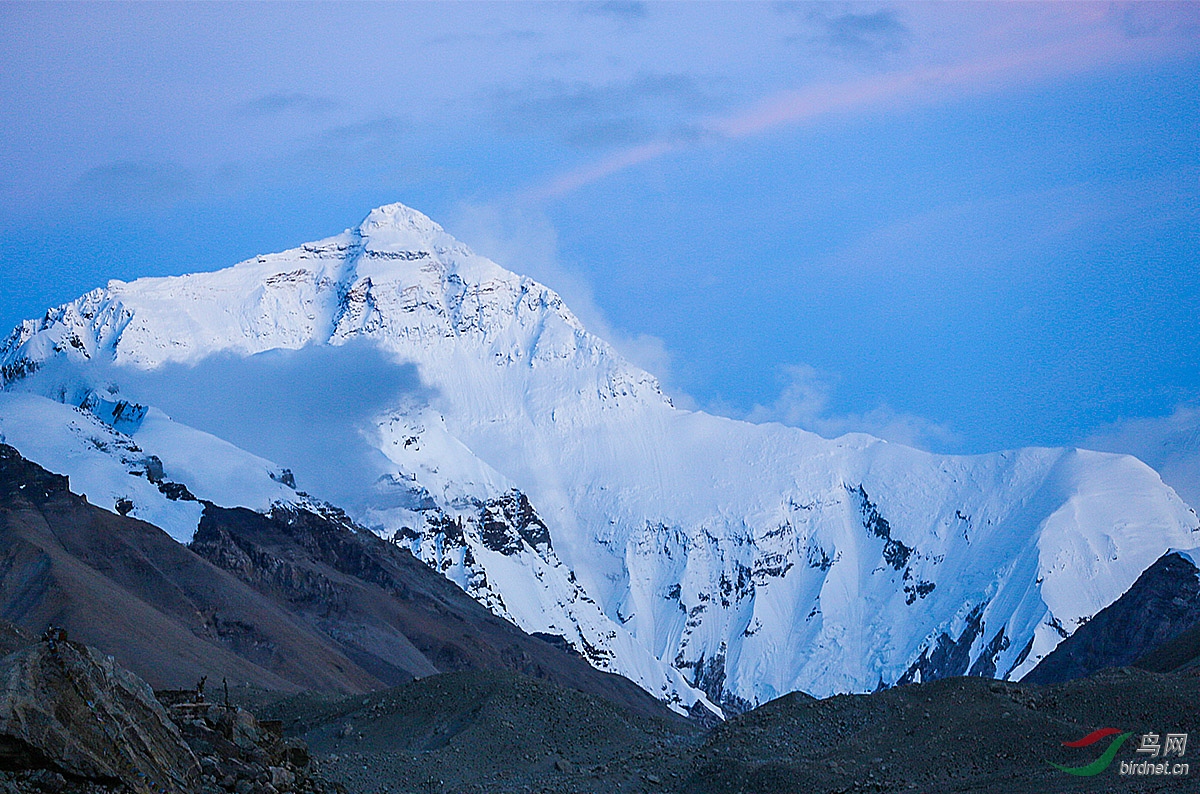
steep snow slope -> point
(554, 481)
(141, 463)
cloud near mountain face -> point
(309, 410)
(804, 401)
(1169, 444)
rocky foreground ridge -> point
(73, 720)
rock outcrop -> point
(73, 721)
(1162, 605)
(238, 754)
(69, 709)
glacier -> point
(715, 562)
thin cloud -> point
(1168, 444)
(919, 85)
(614, 163)
(804, 402)
(279, 103)
(134, 183)
(372, 132)
(624, 10)
(605, 133)
(854, 34)
(588, 115)
(1157, 19)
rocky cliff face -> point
(383, 608)
(1163, 604)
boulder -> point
(68, 708)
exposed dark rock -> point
(176, 491)
(10, 373)
(985, 663)
(895, 553)
(121, 415)
(506, 521)
(949, 656)
(557, 640)
(773, 566)
(819, 558)
(915, 590)
(68, 708)
(284, 477)
(1163, 603)
(152, 468)
(25, 481)
(388, 611)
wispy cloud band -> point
(1107, 46)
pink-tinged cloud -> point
(1105, 47)
(934, 83)
(618, 161)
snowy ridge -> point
(705, 558)
(139, 462)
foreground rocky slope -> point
(955, 735)
(484, 732)
(496, 732)
(72, 721)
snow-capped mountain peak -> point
(396, 276)
(710, 560)
(396, 227)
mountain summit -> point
(711, 561)
(396, 227)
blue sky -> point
(964, 226)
